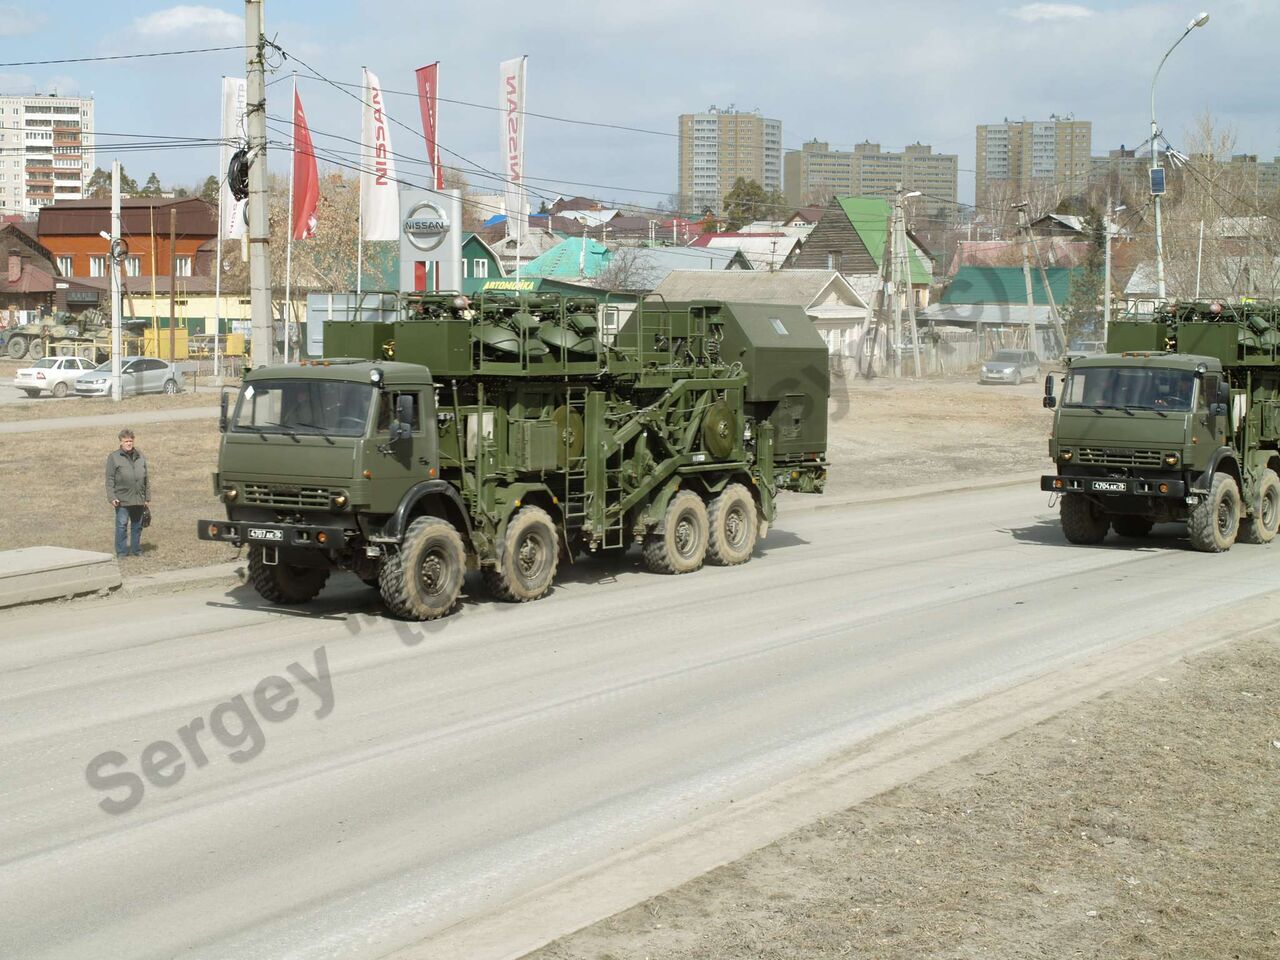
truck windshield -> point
(1130, 388)
(327, 407)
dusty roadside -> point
(1142, 824)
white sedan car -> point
(55, 375)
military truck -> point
(86, 334)
(1178, 421)
(505, 435)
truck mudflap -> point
(240, 532)
(1101, 486)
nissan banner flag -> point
(379, 192)
(427, 77)
(234, 135)
(306, 178)
(511, 102)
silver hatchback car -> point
(1010, 366)
(137, 375)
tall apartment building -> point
(46, 150)
(815, 173)
(1016, 159)
(718, 147)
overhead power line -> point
(122, 56)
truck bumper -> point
(1104, 486)
(240, 532)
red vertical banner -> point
(427, 102)
(306, 179)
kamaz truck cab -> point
(1177, 423)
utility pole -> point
(1032, 339)
(173, 285)
(895, 307)
(263, 344)
(116, 255)
(902, 258)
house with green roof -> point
(972, 285)
(480, 263)
(852, 237)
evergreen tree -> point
(209, 190)
(152, 187)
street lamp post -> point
(1199, 21)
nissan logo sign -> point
(426, 226)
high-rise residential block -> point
(718, 147)
(1018, 158)
(46, 150)
(815, 173)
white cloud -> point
(205, 23)
(14, 21)
(1031, 12)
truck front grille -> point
(277, 495)
(1112, 457)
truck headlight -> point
(1064, 455)
(230, 494)
(339, 501)
(1171, 459)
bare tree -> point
(629, 271)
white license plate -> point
(1110, 486)
(262, 533)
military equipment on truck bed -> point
(85, 334)
(505, 434)
(1180, 420)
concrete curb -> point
(230, 575)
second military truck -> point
(1179, 420)
(505, 434)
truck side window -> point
(387, 407)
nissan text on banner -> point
(379, 192)
(234, 135)
(511, 101)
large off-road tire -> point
(732, 523)
(1083, 521)
(679, 544)
(1214, 522)
(17, 347)
(35, 350)
(422, 581)
(527, 559)
(1131, 526)
(31, 393)
(1262, 526)
(284, 582)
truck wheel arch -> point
(1223, 461)
(430, 497)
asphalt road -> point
(432, 775)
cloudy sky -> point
(894, 73)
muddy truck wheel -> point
(679, 544)
(284, 582)
(1082, 521)
(423, 580)
(1214, 522)
(528, 560)
(733, 526)
(17, 347)
(1262, 526)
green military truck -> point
(1178, 421)
(505, 434)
